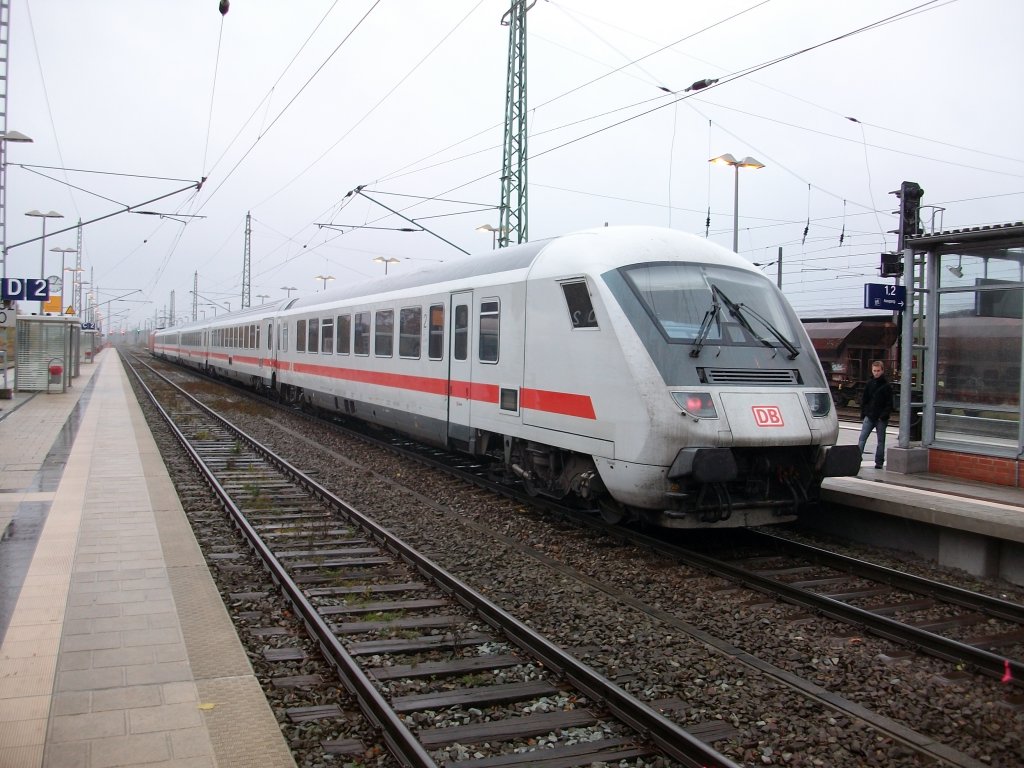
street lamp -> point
(746, 162)
(385, 261)
(263, 296)
(325, 278)
(5, 137)
(63, 253)
(494, 233)
(42, 249)
(289, 288)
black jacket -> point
(876, 403)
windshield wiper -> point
(739, 311)
(710, 317)
(789, 345)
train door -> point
(274, 347)
(460, 370)
(264, 346)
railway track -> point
(969, 629)
(889, 729)
(981, 631)
(425, 655)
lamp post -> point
(263, 296)
(289, 288)
(325, 278)
(385, 261)
(63, 253)
(42, 249)
(494, 233)
(5, 137)
(746, 162)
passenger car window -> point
(362, 330)
(409, 332)
(314, 332)
(327, 336)
(384, 333)
(344, 334)
(490, 324)
(461, 332)
(435, 341)
(300, 336)
(581, 309)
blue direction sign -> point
(24, 289)
(882, 296)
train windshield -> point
(699, 303)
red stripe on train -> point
(565, 403)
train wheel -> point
(611, 511)
(530, 487)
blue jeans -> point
(878, 425)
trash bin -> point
(56, 378)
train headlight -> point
(696, 404)
(820, 403)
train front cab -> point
(739, 428)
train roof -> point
(638, 243)
(609, 247)
(229, 318)
(490, 263)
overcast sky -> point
(286, 107)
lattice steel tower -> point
(245, 261)
(5, 32)
(512, 227)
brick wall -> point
(969, 466)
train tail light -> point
(820, 403)
(696, 404)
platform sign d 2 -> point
(24, 289)
(882, 296)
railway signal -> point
(909, 195)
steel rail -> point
(404, 744)
(994, 606)
(985, 662)
(673, 740)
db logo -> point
(767, 416)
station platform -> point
(976, 527)
(117, 649)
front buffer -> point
(768, 466)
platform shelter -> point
(966, 306)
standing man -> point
(875, 407)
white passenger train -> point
(646, 371)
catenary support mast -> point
(513, 226)
(246, 288)
(5, 32)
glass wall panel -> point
(978, 347)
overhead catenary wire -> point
(267, 98)
(291, 101)
(723, 80)
(374, 108)
(872, 208)
(213, 94)
(46, 96)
